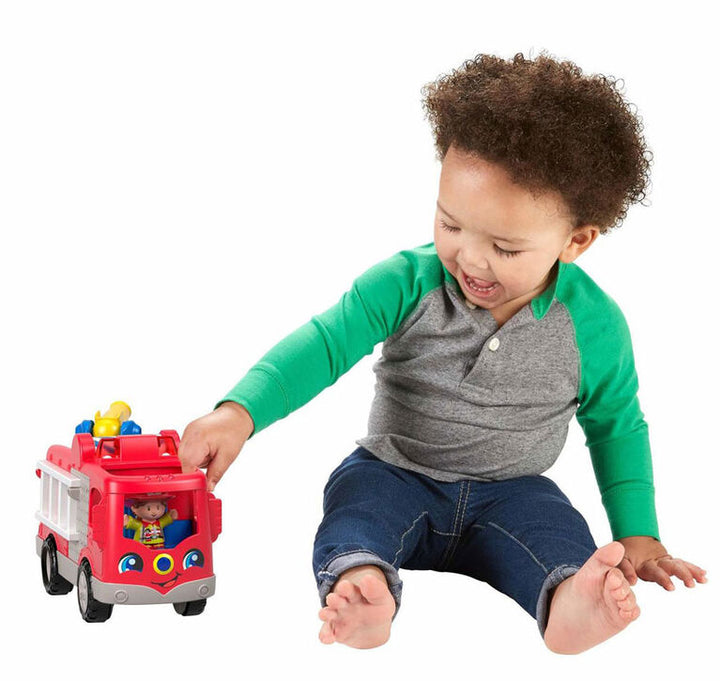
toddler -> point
(492, 339)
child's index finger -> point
(191, 455)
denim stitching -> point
(467, 497)
(402, 539)
(454, 527)
(457, 509)
(462, 520)
(452, 546)
(517, 541)
(443, 534)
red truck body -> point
(87, 494)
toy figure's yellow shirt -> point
(149, 533)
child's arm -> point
(617, 436)
(648, 559)
(610, 416)
(312, 358)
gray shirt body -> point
(488, 403)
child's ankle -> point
(355, 574)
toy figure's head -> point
(149, 508)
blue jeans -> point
(522, 536)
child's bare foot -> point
(359, 610)
(592, 605)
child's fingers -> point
(628, 570)
(215, 440)
(193, 453)
(650, 571)
(681, 570)
(697, 572)
(217, 468)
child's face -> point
(498, 240)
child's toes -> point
(326, 634)
(615, 579)
(327, 614)
(627, 604)
(347, 590)
(631, 614)
(373, 590)
(627, 607)
(335, 601)
(622, 592)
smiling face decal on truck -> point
(163, 565)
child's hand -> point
(215, 440)
(649, 560)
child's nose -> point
(474, 261)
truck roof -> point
(128, 463)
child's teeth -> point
(476, 287)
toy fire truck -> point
(120, 519)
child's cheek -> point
(447, 258)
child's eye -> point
(507, 254)
(444, 225)
(501, 251)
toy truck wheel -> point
(55, 584)
(190, 607)
(90, 609)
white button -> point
(494, 344)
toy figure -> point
(151, 517)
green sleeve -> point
(610, 416)
(314, 356)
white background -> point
(182, 184)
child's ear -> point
(579, 240)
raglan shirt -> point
(456, 397)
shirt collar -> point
(541, 303)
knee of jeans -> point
(331, 572)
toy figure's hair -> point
(551, 127)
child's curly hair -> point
(550, 127)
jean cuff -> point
(328, 575)
(556, 577)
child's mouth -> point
(479, 287)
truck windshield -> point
(159, 520)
